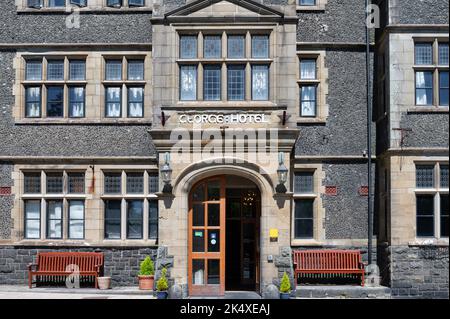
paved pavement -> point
(23, 292)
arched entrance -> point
(224, 235)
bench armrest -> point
(98, 268)
(31, 266)
(362, 265)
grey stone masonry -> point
(6, 201)
(122, 264)
(419, 11)
(419, 272)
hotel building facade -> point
(100, 98)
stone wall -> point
(419, 272)
(6, 201)
(121, 263)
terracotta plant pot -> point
(146, 282)
(104, 283)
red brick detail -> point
(331, 190)
(363, 190)
(4, 191)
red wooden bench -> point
(54, 264)
(328, 262)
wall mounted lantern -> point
(282, 170)
(166, 171)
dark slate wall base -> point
(122, 264)
(419, 272)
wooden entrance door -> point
(206, 238)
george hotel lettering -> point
(223, 118)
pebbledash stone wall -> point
(419, 271)
(121, 263)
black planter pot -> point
(285, 295)
(161, 294)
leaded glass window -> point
(113, 219)
(55, 101)
(424, 88)
(33, 70)
(425, 176)
(135, 102)
(443, 88)
(236, 46)
(211, 82)
(304, 182)
(135, 70)
(236, 82)
(77, 70)
(76, 101)
(32, 219)
(136, 3)
(304, 218)
(113, 183)
(444, 215)
(113, 102)
(55, 182)
(75, 183)
(54, 219)
(135, 219)
(308, 69)
(33, 101)
(444, 176)
(153, 183)
(114, 3)
(80, 3)
(307, 2)
(443, 53)
(37, 4)
(424, 53)
(135, 183)
(153, 219)
(114, 70)
(425, 215)
(56, 3)
(260, 46)
(212, 46)
(55, 70)
(76, 219)
(32, 183)
(188, 82)
(260, 82)
(308, 100)
(188, 47)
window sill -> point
(83, 121)
(86, 243)
(226, 105)
(428, 109)
(84, 10)
(310, 8)
(427, 242)
(306, 242)
(312, 120)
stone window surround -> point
(92, 6)
(436, 190)
(94, 86)
(322, 87)
(94, 210)
(319, 211)
(435, 68)
(43, 196)
(320, 6)
(223, 31)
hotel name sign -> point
(223, 118)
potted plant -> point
(104, 283)
(162, 285)
(285, 287)
(146, 274)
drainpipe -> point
(369, 141)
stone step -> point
(343, 292)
